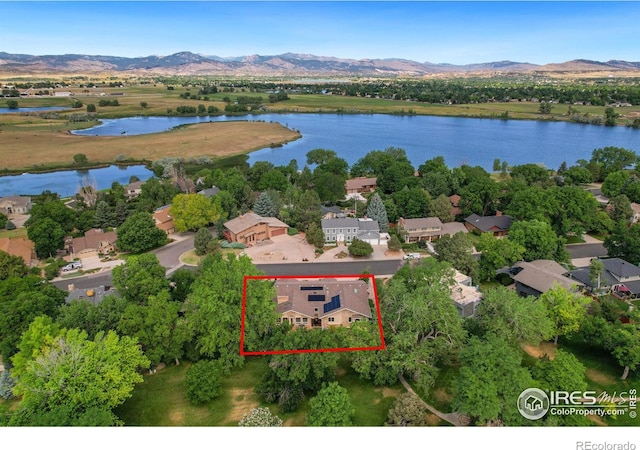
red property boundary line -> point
(382, 345)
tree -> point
(91, 108)
(441, 208)
(48, 237)
(412, 202)
(12, 104)
(202, 382)
(496, 254)
(307, 210)
(394, 243)
(201, 241)
(377, 212)
(331, 407)
(7, 383)
(407, 411)
(98, 373)
(610, 116)
(193, 211)
(104, 216)
(264, 206)
(624, 242)
(11, 266)
(144, 105)
(139, 278)
(620, 208)
(214, 308)
(596, 269)
(315, 235)
(539, 240)
(260, 417)
(514, 319)
(545, 108)
(611, 159)
(80, 159)
(490, 381)
(3, 220)
(616, 183)
(139, 233)
(360, 248)
(457, 250)
(564, 372)
(566, 310)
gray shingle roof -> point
(353, 296)
(486, 223)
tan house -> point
(133, 190)
(360, 185)
(15, 204)
(428, 229)
(322, 303)
(21, 247)
(498, 225)
(164, 220)
(93, 243)
(251, 228)
(465, 295)
(537, 277)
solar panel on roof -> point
(333, 304)
(316, 298)
(311, 288)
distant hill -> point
(187, 63)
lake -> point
(458, 140)
(66, 183)
(34, 109)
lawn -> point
(17, 233)
(160, 400)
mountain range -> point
(187, 63)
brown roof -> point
(422, 223)
(455, 199)
(18, 247)
(93, 239)
(353, 296)
(360, 183)
(542, 274)
(246, 221)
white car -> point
(72, 266)
(412, 256)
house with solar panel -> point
(322, 303)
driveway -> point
(281, 249)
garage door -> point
(278, 231)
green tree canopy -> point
(331, 407)
(566, 309)
(265, 206)
(377, 212)
(139, 233)
(539, 240)
(11, 266)
(496, 254)
(140, 277)
(193, 211)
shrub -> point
(394, 243)
(291, 231)
(202, 382)
(260, 417)
(504, 279)
(360, 248)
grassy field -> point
(53, 146)
(17, 233)
(160, 400)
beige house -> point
(428, 229)
(21, 247)
(93, 243)
(163, 219)
(15, 204)
(465, 295)
(537, 277)
(322, 303)
(133, 190)
(250, 229)
(360, 185)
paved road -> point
(386, 267)
(89, 281)
(586, 250)
(169, 254)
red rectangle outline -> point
(382, 345)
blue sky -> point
(440, 32)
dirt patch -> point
(177, 418)
(432, 420)
(341, 371)
(442, 396)
(242, 403)
(545, 348)
(386, 392)
(599, 377)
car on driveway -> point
(412, 256)
(72, 266)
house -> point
(163, 219)
(455, 204)
(360, 185)
(250, 229)
(322, 303)
(331, 212)
(93, 243)
(21, 247)
(210, 192)
(618, 276)
(636, 212)
(465, 295)
(498, 225)
(133, 190)
(345, 229)
(428, 229)
(537, 277)
(15, 204)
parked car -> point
(72, 266)
(412, 256)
